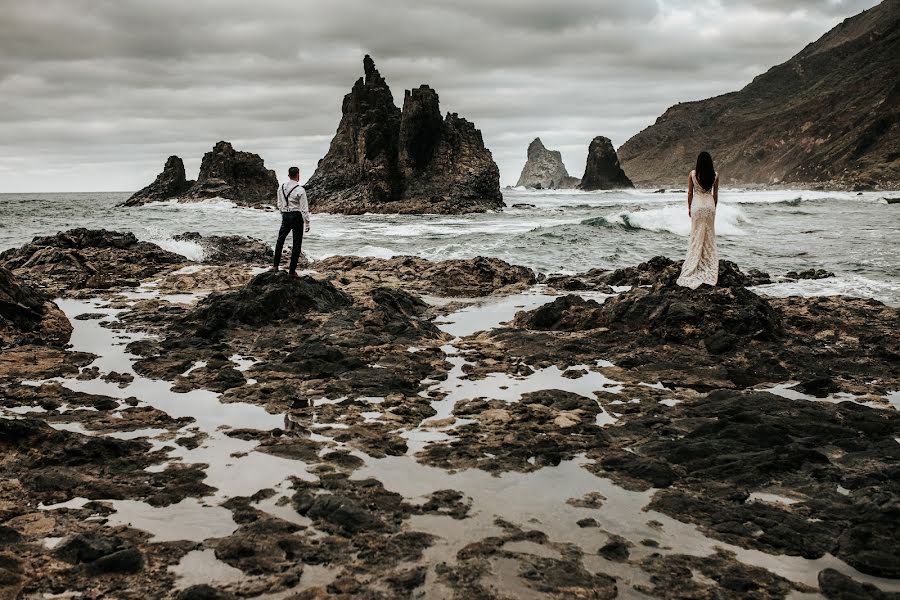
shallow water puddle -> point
(189, 519)
(202, 567)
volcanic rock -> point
(82, 259)
(466, 278)
(827, 115)
(241, 177)
(602, 171)
(28, 315)
(544, 169)
(269, 297)
(384, 161)
(171, 183)
(230, 249)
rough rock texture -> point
(241, 177)
(602, 171)
(827, 115)
(28, 315)
(83, 259)
(657, 270)
(545, 170)
(230, 249)
(729, 444)
(171, 183)
(384, 161)
(465, 278)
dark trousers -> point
(290, 221)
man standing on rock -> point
(294, 209)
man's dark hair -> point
(294, 172)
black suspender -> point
(286, 196)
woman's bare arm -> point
(716, 191)
(690, 193)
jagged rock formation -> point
(171, 183)
(28, 315)
(828, 115)
(241, 177)
(544, 169)
(602, 171)
(385, 160)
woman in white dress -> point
(702, 262)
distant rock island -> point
(241, 177)
(384, 160)
(828, 116)
(544, 169)
(602, 171)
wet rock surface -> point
(88, 259)
(384, 160)
(230, 249)
(466, 278)
(325, 437)
(28, 315)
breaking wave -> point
(673, 219)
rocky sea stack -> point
(384, 160)
(826, 116)
(241, 177)
(603, 171)
(544, 169)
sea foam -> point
(672, 218)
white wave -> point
(370, 251)
(190, 250)
(842, 285)
(674, 219)
(206, 204)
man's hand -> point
(306, 228)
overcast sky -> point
(97, 93)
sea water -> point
(857, 236)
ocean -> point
(857, 236)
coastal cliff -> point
(386, 160)
(827, 116)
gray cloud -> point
(98, 92)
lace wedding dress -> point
(702, 262)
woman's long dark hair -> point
(705, 172)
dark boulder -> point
(171, 183)
(663, 270)
(834, 585)
(602, 171)
(337, 510)
(678, 314)
(203, 592)
(566, 313)
(385, 160)
(267, 298)
(230, 249)
(88, 259)
(809, 274)
(28, 315)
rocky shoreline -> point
(393, 428)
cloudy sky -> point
(97, 93)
